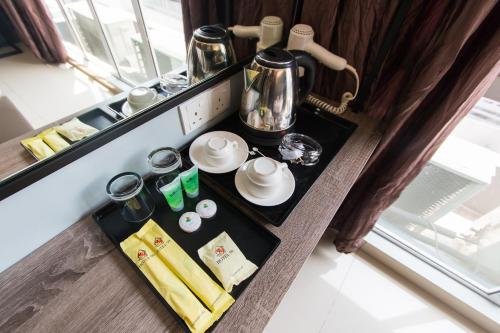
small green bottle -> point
(190, 182)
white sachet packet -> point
(75, 130)
(226, 261)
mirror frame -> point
(40, 169)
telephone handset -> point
(301, 38)
(269, 32)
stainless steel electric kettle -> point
(210, 50)
(273, 89)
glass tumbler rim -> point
(159, 168)
(128, 194)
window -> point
(163, 18)
(449, 215)
(132, 40)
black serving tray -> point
(255, 241)
(329, 130)
(117, 107)
(99, 118)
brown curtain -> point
(352, 29)
(197, 13)
(446, 56)
(245, 12)
(35, 29)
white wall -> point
(37, 213)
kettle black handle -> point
(306, 82)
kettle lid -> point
(275, 58)
(211, 34)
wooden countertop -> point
(78, 282)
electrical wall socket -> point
(204, 107)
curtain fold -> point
(36, 29)
(197, 13)
(352, 29)
(245, 12)
(446, 57)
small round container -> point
(165, 160)
(173, 83)
(127, 190)
(300, 149)
(190, 222)
(206, 208)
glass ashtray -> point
(300, 149)
(173, 83)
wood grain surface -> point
(77, 282)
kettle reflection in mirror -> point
(210, 50)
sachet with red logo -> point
(169, 286)
(178, 261)
(226, 261)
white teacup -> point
(141, 97)
(219, 151)
(264, 174)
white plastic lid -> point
(190, 221)
(206, 208)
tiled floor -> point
(354, 293)
(46, 93)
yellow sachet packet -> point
(37, 147)
(213, 295)
(226, 261)
(75, 130)
(178, 296)
(53, 140)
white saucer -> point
(284, 192)
(127, 110)
(197, 152)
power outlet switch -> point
(204, 107)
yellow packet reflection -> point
(170, 287)
(214, 297)
(226, 261)
(75, 130)
(54, 140)
(37, 147)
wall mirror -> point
(125, 58)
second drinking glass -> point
(165, 164)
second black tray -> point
(329, 130)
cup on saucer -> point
(265, 176)
(219, 151)
(141, 97)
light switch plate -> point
(204, 107)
